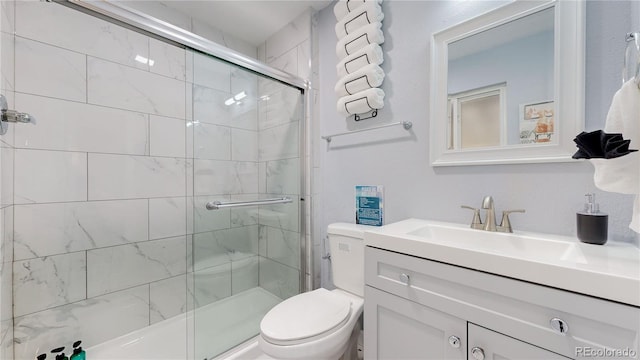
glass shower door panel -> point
(244, 137)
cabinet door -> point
(396, 328)
(485, 344)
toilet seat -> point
(305, 317)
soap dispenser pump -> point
(78, 353)
(592, 224)
(59, 353)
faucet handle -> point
(505, 225)
(476, 223)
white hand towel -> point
(361, 102)
(370, 54)
(370, 76)
(364, 15)
(344, 7)
(622, 174)
(370, 34)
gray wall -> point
(399, 160)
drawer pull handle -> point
(404, 278)
(454, 341)
(477, 353)
(560, 326)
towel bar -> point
(405, 124)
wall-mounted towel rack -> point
(405, 124)
(632, 38)
(216, 205)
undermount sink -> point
(610, 271)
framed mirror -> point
(507, 86)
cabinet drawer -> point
(519, 309)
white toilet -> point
(322, 324)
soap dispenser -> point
(78, 353)
(59, 353)
(592, 224)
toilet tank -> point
(346, 242)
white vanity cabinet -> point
(417, 308)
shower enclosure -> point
(158, 192)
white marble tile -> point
(6, 291)
(211, 284)
(211, 72)
(50, 71)
(244, 145)
(262, 52)
(289, 36)
(262, 177)
(167, 136)
(167, 298)
(245, 118)
(281, 107)
(6, 338)
(7, 13)
(262, 240)
(7, 140)
(73, 126)
(304, 60)
(69, 227)
(160, 10)
(168, 60)
(209, 220)
(223, 246)
(167, 217)
(225, 177)
(6, 233)
(209, 106)
(120, 267)
(211, 142)
(283, 176)
(49, 176)
(282, 216)
(222, 38)
(190, 212)
(287, 62)
(245, 274)
(280, 142)
(7, 56)
(125, 176)
(283, 246)
(244, 216)
(47, 282)
(280, 280)
(93, 320)
(7, 156)
(123, 87)
(189, 54)
(97, 37)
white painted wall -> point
(399, 160)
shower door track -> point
(162, 30)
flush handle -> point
(560, 326)
(404, 278)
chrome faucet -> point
(490, 218)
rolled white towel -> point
(370, 54)
(361, 102)
(364, 15)
(370, 76)
(370, 34)
(343, 7)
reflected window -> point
(477, 118)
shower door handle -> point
(216, 205)
(7, 116)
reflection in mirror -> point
(517, 55)
(507, 86)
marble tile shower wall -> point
(100, 193)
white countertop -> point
(610, 271)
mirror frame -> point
(569, 65)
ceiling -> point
(249, 20)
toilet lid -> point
(305, 315)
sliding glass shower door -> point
(244, 141)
